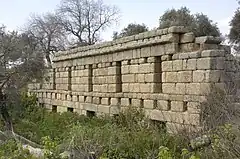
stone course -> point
(167, 72)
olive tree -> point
(86, 19)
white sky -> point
(14, 13)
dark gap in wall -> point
(78, 98)
(54, 79)
(85, 97)
(158, 75)
(185, 106)
(141, 103)
(55, 95)
(155, 104)
(69, 79)
(91, 114)
(54, 108)
(69, 109)
(119, 76)
(169, 105)
(170, 57)
(109, 101)
(130, 101)
(65, 97)
(90, 78)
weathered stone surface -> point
(187, 38)
(208, 40)
(167, 72)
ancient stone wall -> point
(166, 72)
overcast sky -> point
(14, 13)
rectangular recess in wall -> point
(158, 75)
(118, 76)
(54, 108)
(90, 78)
(69, 109)
(54, 79)
(69, 79)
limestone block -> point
(140, 78)
(142, 60)
(204, 63)
(128, 54)
(187, 38)
(152, 77)
(177, 65)
(150, 104)
(205, 88)
(208, 40)
(146, 51)
(125, 101)
(146, 68)
(157, 50)
(212, 53)
(180, 88)
(134, 68)
(89, 99)
(134, 87)
(171, 48)
(137, 103)
(125, 69)
(111, 71)
(145, 87)
(166, 58)
(115, 110)
(90, 107)
(134, 61)
(115, 101)
(167, 66)
(169, 88)
(171, 77)
(214, 75)
(103, 109)
(193, 107)
(112, 88)
(128, 78)
(105, 101)
(199, 76)
(163, 105)
(125, 87)
(96, 100)
(191, 64)
(164, 77)
(136, 53)
(178, 106)
(170, 38)
(160, 115)
(193, 88)
(189, 47)
(184, 76)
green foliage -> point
(13, 150)
(200, 24)
(131, 29)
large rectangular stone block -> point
(167, 66)
(163, 105)
(178, 106)
(137, 103)
(169, 88)
(150, 104)
(184, 76)
(171, 77)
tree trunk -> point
(49, 62)
(4, 112)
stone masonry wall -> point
(166, 72)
